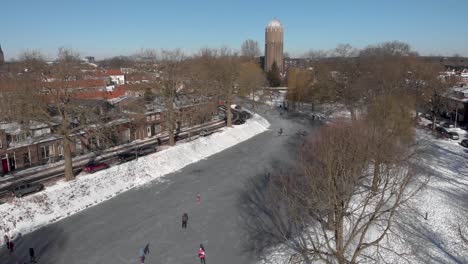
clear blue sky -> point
(103, 28)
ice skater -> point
(143, 252)
(184, 220)
(32, 255)
(198, 198)
(201, 254)
(280, 131)
(6, 239)
(12, 246)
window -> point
(158, 116)
(45, 152)
(153, 117)
(26, 160)
(157, 129)
(126, 135)
(148, 131)
(12, 161)
(60, 150)
(148, 118)
(78, 146)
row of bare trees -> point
(354, 78)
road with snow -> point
(115, 230)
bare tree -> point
(316, 54)
(390, 132)
(428, 88)
(252, 80)
(219, 70)
(250, 49)
(172, 83)
(47, 94)
(345, 51)
(300, 84)
(324, 210)
(340, 81)
(391, 48)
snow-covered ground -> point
(23, 215)
(322, 111)
(444, 199)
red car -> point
(95, 166)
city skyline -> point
(111, 28)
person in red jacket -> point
(201, 254)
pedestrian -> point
(12, 246)
(201, 254)
(32, 255)
(146, 249)
(198, 198)
(6, 239)
(184, 220)
(280, 132)
(142, 255)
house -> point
(458, 104)
(27, 145)
(116, 76)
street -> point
(114, 231)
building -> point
(2, 56)
(90, 59)
(274, 45)
(117, 76)
(458, 104)
(23, 146)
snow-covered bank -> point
(66, 198)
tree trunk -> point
(331, 217)
(171, 123)
(434, 119)
(352, 111)
(228, 112)
(68, 159)
(340, 252)
(375, 179)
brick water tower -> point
(274, 44)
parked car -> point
(92, 167)
(448, 124)
(446, 133)
(21, 189)
(126, 156)
(464, 143)
(145, 150)
(205, 132)
(428, 116)
(442, 131)
(453, 135)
